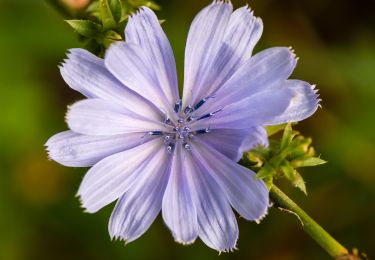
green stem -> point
(315, 231)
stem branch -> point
(315, 231)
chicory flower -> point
(151, 151)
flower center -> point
(180, 132)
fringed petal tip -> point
(221, 2)
(82, 204)
(185, 243)
(228, 250)
(251, 13)
(293, 54)
(264, 214)
(115, 237)
(317, 95)
(140, 11)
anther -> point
(167, 121)
(170, 147)
(177, 106)
(155, 133)
(190, 118)
(187, 110)
(200, 103)
(167, 138)
(187, 146)
(209, 114)
(203, 131)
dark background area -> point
(40, 217)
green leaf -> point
(139, 3)
(111, 37)
(106, 14)
(94, 9)
(312, 161)
(299, 183)
(273, 129)
(86, 28)
(259, 152)
(287, 170)
(115, 7)
(266, 171)
(269, 182)
(152, 5)
(288, 136)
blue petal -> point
(247, 195)
(143, 29)
(110, 178)
(216, 221)
(139, 206)
(257, 74)
(76, 150)
(234, 142)
(253, 111)
(303, 104)
(283, 101)
(100, 117)
(132, 66)
(204, 40)
(241, 34)
(256, 136)
(86, 73)
(179, 212)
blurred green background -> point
(40, 217)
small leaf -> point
(266, 171)
(111, 37)
(312, 161)
(115, 7)
(94, 9)
(152, 5)
(259, 152)
(269, 182)
(273, 129)
(86, 28)
(287, 170)
(106, 15)
(288, 136)
(299, 183)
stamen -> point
(209, 114)
(187, 146)
(167, 121)
(203, 131)
(190, 118)
(187, 110)
(167, 138)
(155, 133)
(177, 106)
(200, 103)
(170, 147)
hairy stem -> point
(315, 231)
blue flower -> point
(152, 151)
